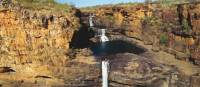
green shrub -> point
(37, 1)
(1, 38)
(186, 26)
(5, 3)
(163, 39)
(151, 20)
(168, 3)
(110, 17)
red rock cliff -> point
(23, 30)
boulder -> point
(195, 81)
(6, 69)
(181, 56)
(155, 48)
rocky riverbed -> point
(148, 69)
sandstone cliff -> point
(23, 31)
(34, 41)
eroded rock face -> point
(34, 45)
(126, 18)
(27, 31)
(22, 31)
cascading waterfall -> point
(103, 37)
(105, 65)
(91, 20)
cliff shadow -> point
(81, 38)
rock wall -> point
(23, 30)
(34, 48)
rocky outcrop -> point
(130, 70)
(140, 71)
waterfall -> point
(91, 21)
(103, 37)
(105, 65)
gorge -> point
(47, 44)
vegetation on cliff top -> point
(93, 8)
(45, 4)
(163, 3)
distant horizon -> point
(87, 3)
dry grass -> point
(44, 4)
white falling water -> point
(105, 65)
(91, 21)
(103, 37)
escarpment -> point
(34, 43)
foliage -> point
(193, 1)
(167, 27)
(110, 17)
(94, 8)
(151, 21)
(105, 21)
(148, 1)
(44, 4)
(171, 1)
(158, 24)
(148, 19)
(5, 3)
(127, 4)
(168, 3)
(163, 39)
(186, 26)
(37, 1)
(108, 21)
(1, 38)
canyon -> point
(46, 47)
(174, 29)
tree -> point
(193, 1)
(5, 3)
(169, 2)
(186, 26)
(163, 39)
(148, 1)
